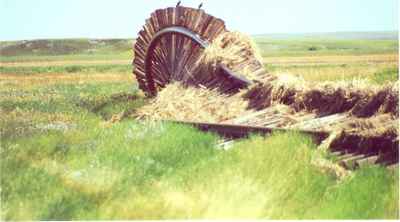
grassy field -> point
(62, 156)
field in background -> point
(64, 155)
(339, 56)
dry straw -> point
(235, 50)
(176, 102)
(360, 97)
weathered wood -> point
(367, 161)
(176, 56)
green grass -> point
(155, 171)
(375, 73)
(126, 55)
(64, 46)
(386, 75)
(24, 109)
(61, 161)
(66, 49)
(314, 47)
(106, 68)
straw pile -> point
(332, 97)
(383, 100)
(376, 134)
(377, 125)
(285, 95)
(236, 51)
(358, 97)
(176, 102)
(282, 90)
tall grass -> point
(133, 170)
(61, 160)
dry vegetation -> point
(236, 51)
(333, 59)
(318, 73)
(57, 78)
(176, 102)
(360, 97)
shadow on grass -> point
(112, 104)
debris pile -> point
(176, 102)
(362, 117)
(326, 98)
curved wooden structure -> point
(171, 43)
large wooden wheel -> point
(170, 44)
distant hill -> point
(389, 35)
(64, 46)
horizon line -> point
(253, 35)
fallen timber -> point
(352, 153)
(170, 48)
(235, 131)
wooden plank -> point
(345, 156)
(218, 27)
(206, 23)
(158, 24)
(158, 73)
(320, 122)
(198, 21)
(173, 20)
(188, 69)
(367, 161)
(237, 131)
(145, 37)
(243, 119)
(154, 22)
(179, 20)
(179, 57)
(393, 166)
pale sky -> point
(24, 19)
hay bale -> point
(176, 102)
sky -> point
(38, 19)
